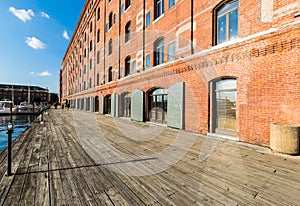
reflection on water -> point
(21, 122)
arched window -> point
(110, 20)
(127, 31)
(110, 47)
(127, 66)
(158, 104)
(158, 52)
(98, 35)
(127, 4)
(223, 104)
(226, 21)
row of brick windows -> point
(226, 20)
(225, 29)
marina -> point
(20, 122)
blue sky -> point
(34, 37)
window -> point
(91, 27)
(109, 74)
(110, 47)
(91, 45)
(98, 57)
(91, 63)
(122, 8)
(171, 52)
(121, 72)
(171, 4)
(98, 14)
(127, 4)
(226, 22)
(84, 53)
(148, 18)
(148, 61)
(98, 79)
(158, 8)
(98, 35)
(115, 18)
(127, 32)
(133, 67)
(158, 52)
(127, 66)
(110, 20)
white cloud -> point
(22, 13)
(45, 15)
(35, 43)
(41, 74)
(65, 35)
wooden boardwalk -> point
(79, 158)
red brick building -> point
(224, 68)
(24, 93)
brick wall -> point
(264, 60)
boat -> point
(5, 107)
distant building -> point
(24, 93)
(226, 68)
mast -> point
(28, 94)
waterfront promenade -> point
(79, 158)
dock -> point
(83, 158)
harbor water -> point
(20, 122)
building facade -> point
(22, 93)
(227, 68)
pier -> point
(81, 158)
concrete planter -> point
(284, 138)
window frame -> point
(216, 17)
(127, 4)
(159, 8)
(148, 19)
(169, 53)
(158, 51)
(127, 31)
(127, 66)
(170, 6)
(110, 20)
(110, 47)
(98, 14)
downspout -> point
(192, 27)
(119, 41)
(104, 44)
(144, 33)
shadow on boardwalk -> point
(79, 158)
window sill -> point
(126, 9)
(127, 42)
(158, 18)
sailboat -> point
(5, 107)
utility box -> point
(284, 138)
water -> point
(21, 122)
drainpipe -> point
(144, 32)
(119, 40)
(192, 27)
(104, 50)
